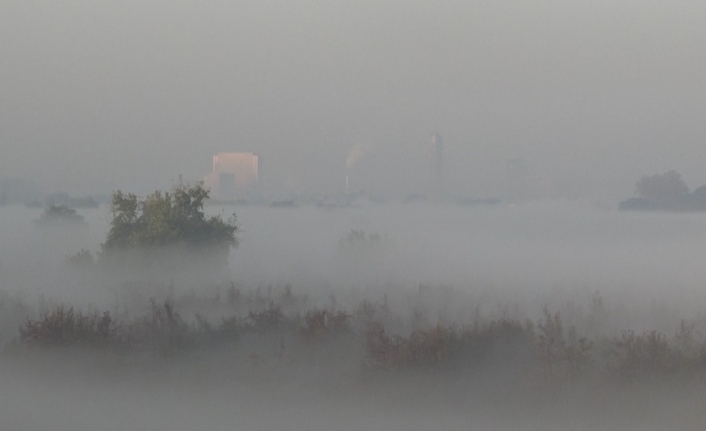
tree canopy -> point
(665, 192)
(662, 189)
(61, 214)
(165, 219)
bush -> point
(318, 323)
(61, 214)
(167, 222)
(63, 327)
(442, 345)
(546, 352)
(80, 259)
(664, 190)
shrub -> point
(321, 322)
(559, 351)
(162, 329)
(167, 219)
(61, 215)
(80, 259)
(443, 345)
(167, 233)
(65, 327)
(267, 319)
(643, 355)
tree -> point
(697, 199)
(167, 221)
(666, 189)
(61, 215)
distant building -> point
(233, 174)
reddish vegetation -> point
(544, 348)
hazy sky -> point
(98, 95)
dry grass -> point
(63, 326)
(371, 332)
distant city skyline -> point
(99, 96)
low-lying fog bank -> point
(181, 402)
(500, 256)
(373, 317)
(275, 362)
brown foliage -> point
(322, 322)
(68, 327)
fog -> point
(536, 253)
(379, 282)
(104, 96)
(457, 263)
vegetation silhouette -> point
(282, 329)
(167, 226)
(60, 215)
(665, 192)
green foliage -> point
(164, 219)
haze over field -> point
(427, 233)
(101, 96)
(472, 263)
(527, 256)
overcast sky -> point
(100, 95)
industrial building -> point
(234, 174)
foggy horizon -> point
(130, 95)
(417, 266)
(414, 215)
